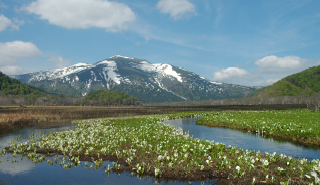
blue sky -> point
(245, 42)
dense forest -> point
(14, 87)
(109, 97)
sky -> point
(245, 42)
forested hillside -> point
(109, 97)
(13, 92)
(14, 87)
(305, 83)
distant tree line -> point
(109, 97)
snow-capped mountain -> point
(150, 83)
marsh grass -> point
(299, 126)
(146, 146)
(16, 117)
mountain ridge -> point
(150, 83)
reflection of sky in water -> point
(7, 167)
(25, 172)
(243, 140)
(55, 174)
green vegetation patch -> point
(108, 97)
(305, 83)
(146, 146)
(300, 126)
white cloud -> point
(266, 82)
(59, 62)
(112, 16)
(16, 24)
(2, 5)
(176, 8)
(276, 64)
(4, 22)
(11, 52)
(230, 75)
(11, 70)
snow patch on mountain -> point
(165, 69)
(109, 72)
(217, 83)
(120, 56)
(59, 73)
(164, 88)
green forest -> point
(14, 87)
(305, 83)
(109, 97)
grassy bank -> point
(299, 126)
(145, 146)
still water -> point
(25, 172)
(244, 140)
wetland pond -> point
(26, 172)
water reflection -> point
(244, 140)
(7, 167)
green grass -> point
(301, 126)
(146, 146)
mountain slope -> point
(305, 83)
(14, 87)
(150, 83)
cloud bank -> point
(231, 74)
(274, 64)
(12, 52)
(59, 62)
(112, 16)
(177, 8)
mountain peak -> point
(120, 56)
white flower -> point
(265, 162)
(316, 178)
(201, 167)
(280, 168)
(238, 168)
(156, 172)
